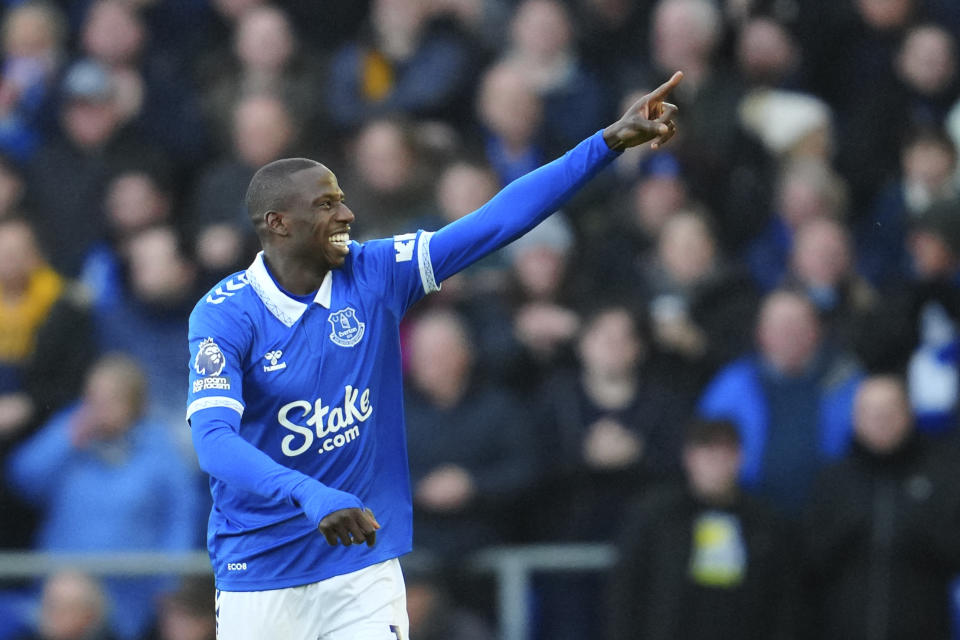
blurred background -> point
(722, 384)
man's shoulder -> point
(225, 302)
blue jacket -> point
(736, 393)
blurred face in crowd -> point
(32, 31)
(686, 248)
(539, 270)
(262, 130)
(821, 253)
(684, 33)
(440, 356)
(541, 29)
(609, 346)
(19, 256)
(765, 51)
(384, 157)
(882, 418)
(712, 468)
(932, 257)
(885, 14)
(788, 332)
(159, 272)
(509, 106)
(113, 397)
(655, 199)
(264, 40)
(930, 164)
(90, 124)
(178, 622)
(134, 202)
(12, 188)
(928, 59)
(113, 33)
(72, 607)
(464, 188)
(808, 190)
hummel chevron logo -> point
(229, 288)
(273, 357)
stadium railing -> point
(512, 569)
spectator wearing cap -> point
(704, 559)
(68, 174)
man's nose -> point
(344, 214)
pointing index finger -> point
(661, 92)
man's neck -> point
(294, 275)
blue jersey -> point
(296, 405)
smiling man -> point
(296, 399)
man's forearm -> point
(518, 207)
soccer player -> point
(295, 398)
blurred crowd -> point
(738, 359)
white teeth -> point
(340, 238)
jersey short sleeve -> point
(400, 267)
(216, 361)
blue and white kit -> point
(296, 404)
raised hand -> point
(649, 118)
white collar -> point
(286, 309)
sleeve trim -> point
(214, 401)
(425, 264)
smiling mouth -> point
(341, 240)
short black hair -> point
(704, 432)
(269, 189)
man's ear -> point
(275, 223)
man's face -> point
(318, 220)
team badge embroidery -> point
(347, 329)
(209, 360)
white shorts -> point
(369, 604)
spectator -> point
(408, 65)
(822, 265)
(512, 114)
(767, 54)
(34, 36)
(434, 615)
(724, 166)
(790, 399)
(266, 58)
(793, 126)
(188, 612)
(881, 529)
(13, 189)
(927, 64)
(93, 146)
(263, 130)
(135, 200)
(542, 48)
(471, 446)
(45, 347)
(704, 560)
(933, 373)
(700, 306)
(928, 165)
(149, 319)
(389, 176)
(105, 442)
(73, 607)
(611, 425)
(149, 91)
(806, 190)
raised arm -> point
(525, 202)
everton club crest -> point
(347, 329)
(209, 360)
